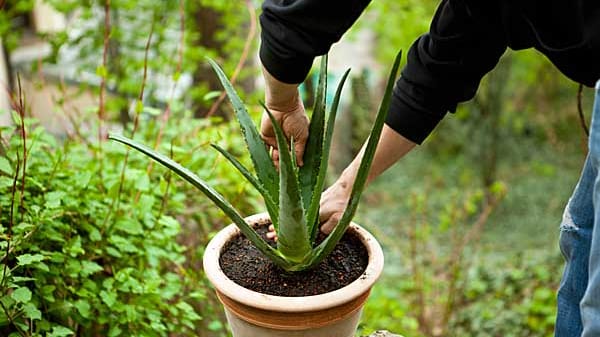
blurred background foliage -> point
(91, 247)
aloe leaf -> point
(265, 170)
(292, 237)
(314, 146)
(321, 251)
(213, 195)
(271, 206)
(313, 210)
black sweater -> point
(444, 66)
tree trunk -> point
(207, 22)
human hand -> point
(284, 103)
(333, 204)
(294, 123)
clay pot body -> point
(253, 314)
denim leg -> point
(575, 239)
(590, 304)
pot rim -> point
(255, 299)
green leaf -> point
(53, 199)
(271, 206)
(83, 307)
(292, 235)
(88, 268)
(211, 95)
(215, 325)
(213, 195)
(129, 226)
(313, 210)
(108, 298)
(60, 331)
(101, 71)
(114, 331)
(314, 145)
(32, 312)
(21, 295)
(265, 170)
(361, 177)
(27, 259)
(5, 166)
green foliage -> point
(11, 21)
(92, 253)
(515, 299)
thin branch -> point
(137, 109)
(11, 217)
(104, 74)
(11, 320)
(178, 67)
(144, 79)
(580, 111)
(243, 57)
(457, 254)
(21, 110)
(165, 198)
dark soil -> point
(246, 266)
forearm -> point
(391, 147)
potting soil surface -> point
(248, 267)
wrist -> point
(346, 180)
(279, 96)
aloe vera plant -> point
(291, 195)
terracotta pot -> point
(253, 314)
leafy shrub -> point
(517, 299)
(93, 245)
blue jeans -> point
(579, 292)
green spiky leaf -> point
(263, 165)
(314, 145)
(359, 183)
(293, 237)
(269, 203)
(313, 210)
(213, 195)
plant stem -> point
(21, 111)
(178, 66)
(11, 320)
(11, 218)
(138, 109)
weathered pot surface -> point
(253, 314)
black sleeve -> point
(294, 32)
(445, 66)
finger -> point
(271, 235)
(275, 157)
(299, 150)
(270, 141)
(330, 224)
(271, 228)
